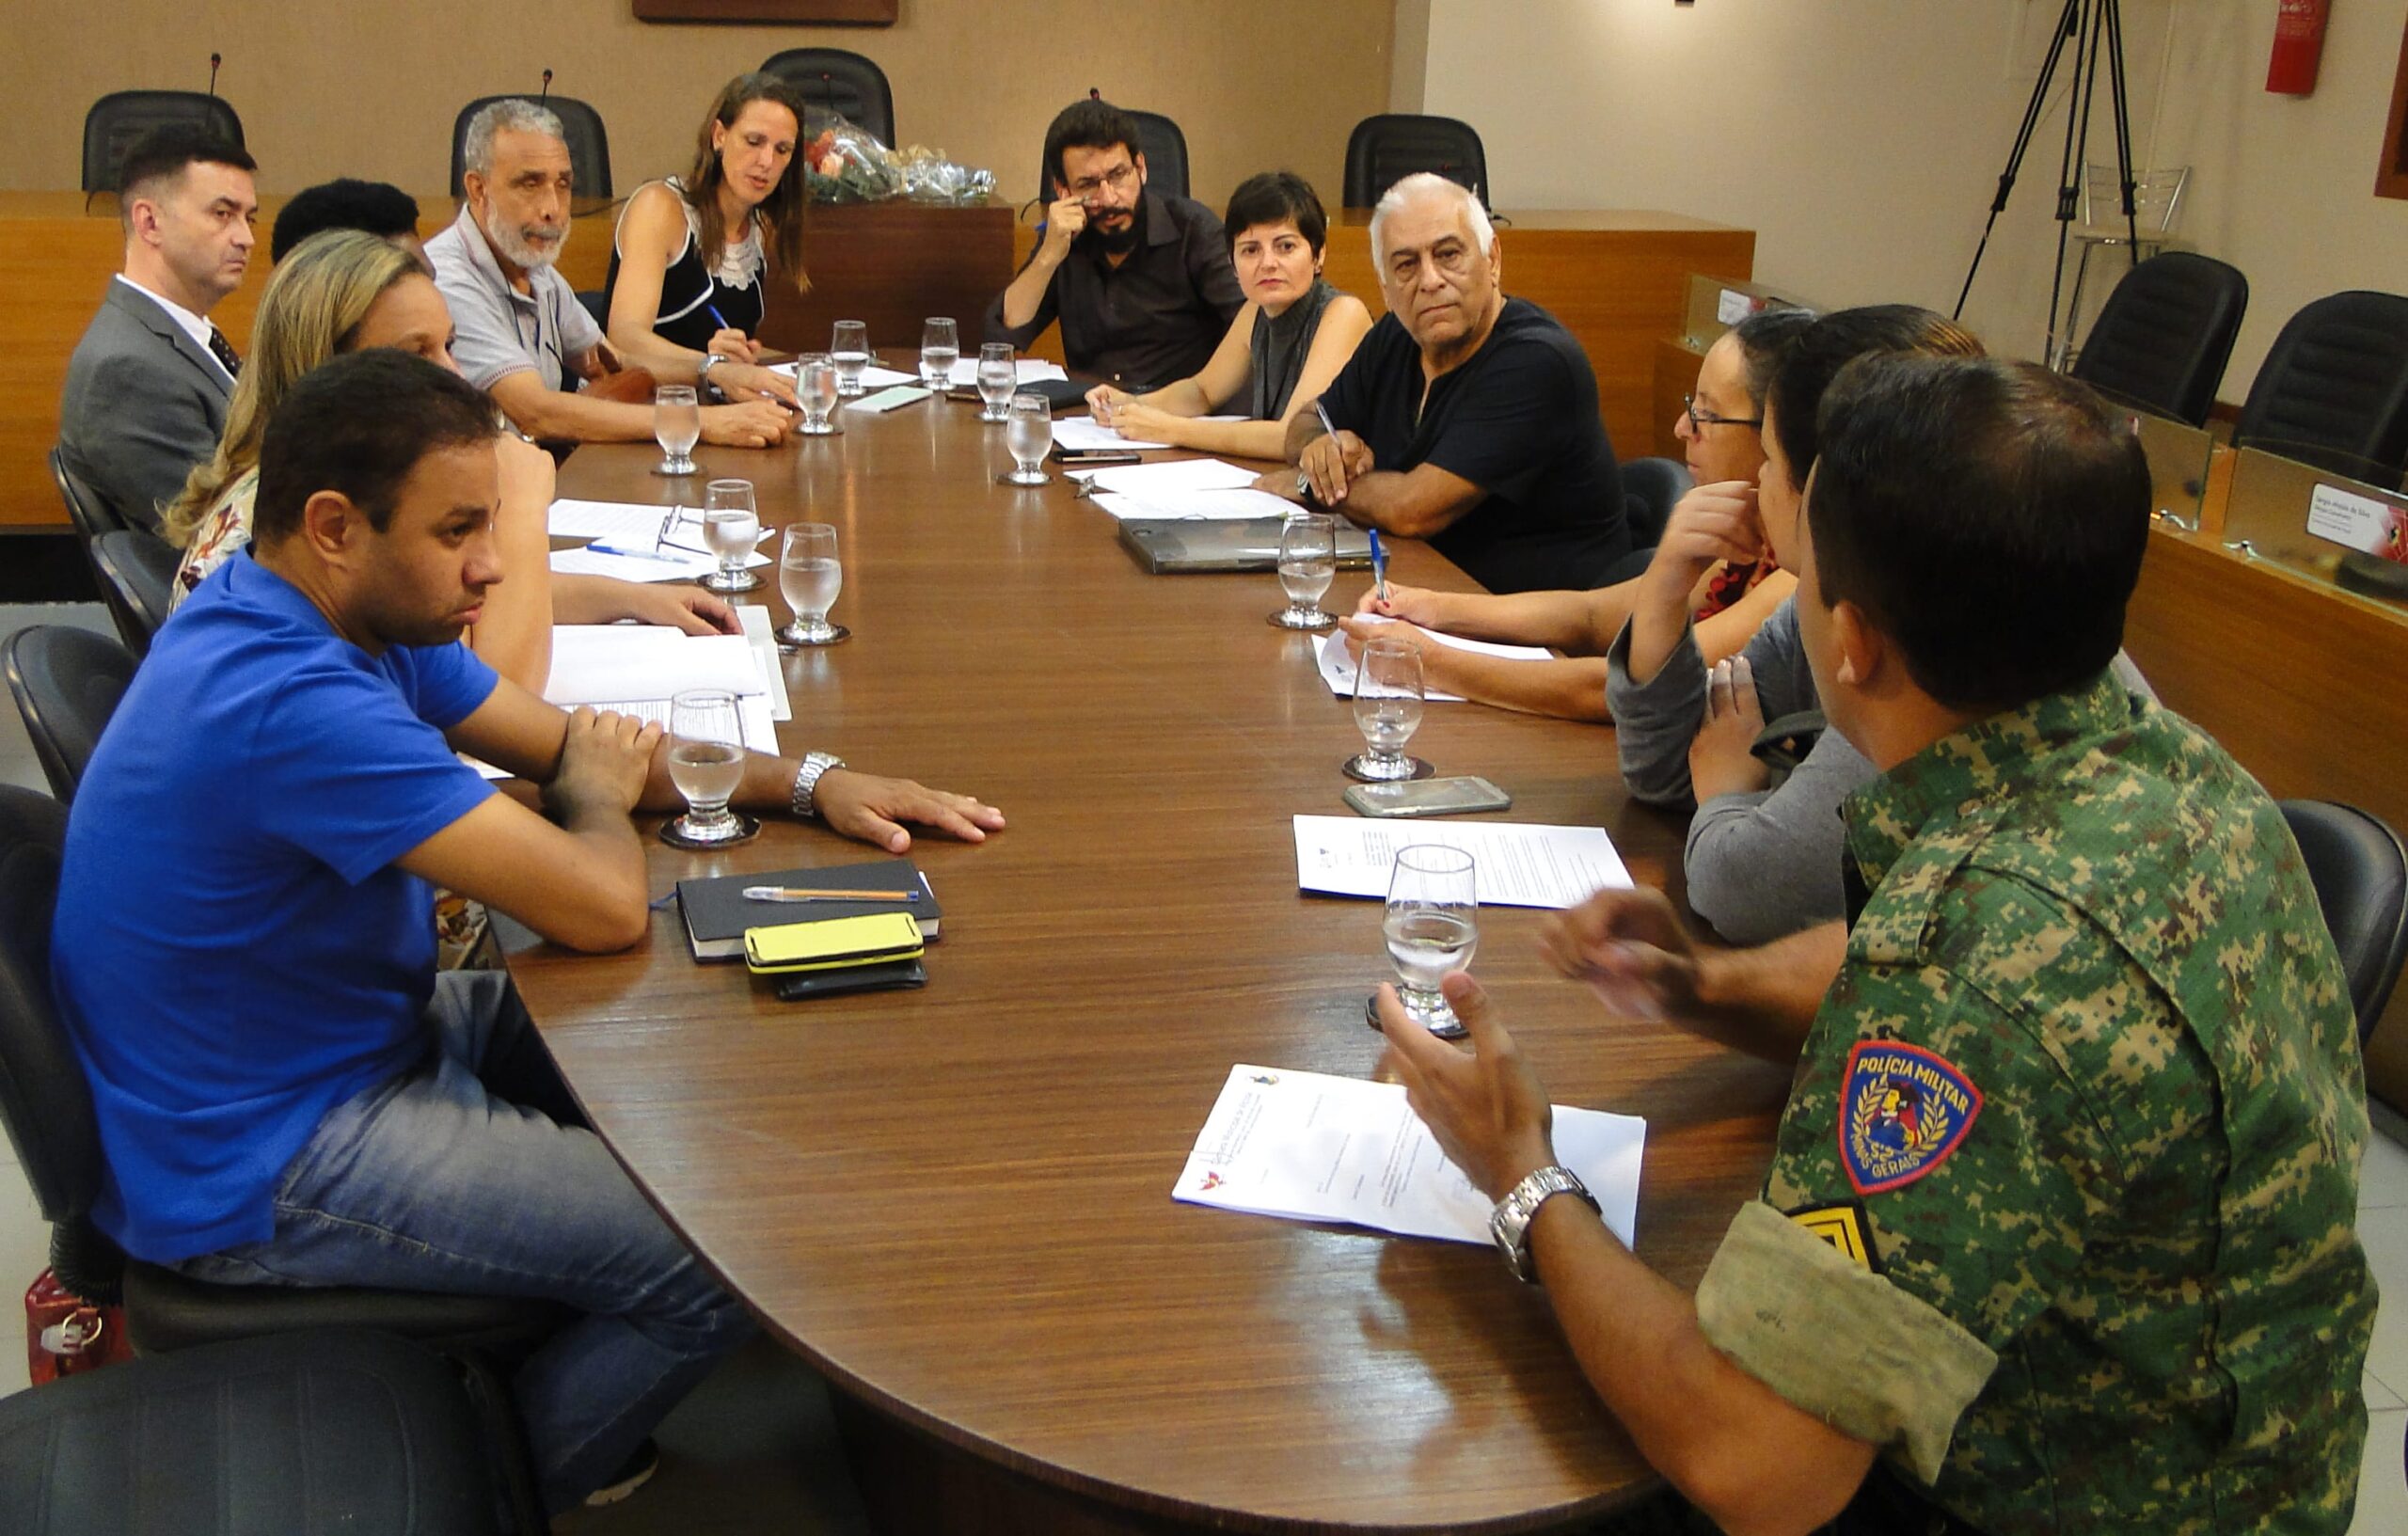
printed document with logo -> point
(1314, 1147)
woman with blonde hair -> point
(342, 291)
(687, 291)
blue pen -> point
(634, 554)
(1379, 564)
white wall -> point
(1862, 140)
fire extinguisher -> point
(65, 1334)
(2299, 47)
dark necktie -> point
(223, 351)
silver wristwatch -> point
(806, 781)
(1509, 1223)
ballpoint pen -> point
(1379, 564)
(803, 892)
(600, 549)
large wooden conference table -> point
(956, 1202)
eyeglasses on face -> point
(1117, 177)
(1699, 420)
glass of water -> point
(849, 347)
(810, 577)
(940, 344)
(1307, 564)
(1030, 436)
(706, 763)
(676, 426)
(732, 530)
(1431, 928)
(815, 390)
(1388, 710)
(997, 379)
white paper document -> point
(1207, 505)
(626, 523)
(607, 663)
(1314, 1147)
(1516, 864)
(1173, 478)
(1085, 435)
(641, 563)
(873, 376)
(906, 393)
(1337, 668)
(1024, 370)
(760, 632)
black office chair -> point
(1651, 488)
(1160, 141)
(67, 682)
(588, 146)
(361, 1432)
(137, 574)
(86, 508)
(2360, 872)
(2165, 333)
(839, 81)
(1388, 147)
(46, 1106)
(2334, 392)
(116, 119)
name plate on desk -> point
(2364, 523)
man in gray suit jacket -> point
(148, 385)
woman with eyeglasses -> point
(1295, 334)
(1721, 432)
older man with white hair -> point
(523, 337)
(1466, 418)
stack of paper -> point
(873, 376)
(1515, 863)
(1337, 668)
(641, 563)
(1085, 435)
(1024, 370)
(1313, 1147)
(1203, 505)
(1173, 477)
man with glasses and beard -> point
(523, 337)
(1466, 418)
(1141, 281)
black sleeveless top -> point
(1278, 347)
(690, 293)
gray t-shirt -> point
(1765, 862)
(502, 330)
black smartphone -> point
(893, 975)
(1091, 458)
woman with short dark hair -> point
(1294, 335)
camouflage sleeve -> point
(1944, 1160)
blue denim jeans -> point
(434, 1181)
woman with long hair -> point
(688, 286)
(343, 291)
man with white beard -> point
(522, 335)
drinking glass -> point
(1029, 436)
(676, 426)
(810, 577)
(1431, 928)
(997, 379)
(732, 530)
(849, 347)
(940, 344)
(707, 763)
(1388, 710)
(1307, 564)
(815, 390)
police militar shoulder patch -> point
(1903, 1110)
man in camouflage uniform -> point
(2061, 1219)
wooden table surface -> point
(956, 1202)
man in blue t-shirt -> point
(1466, 418)
(286, 1091)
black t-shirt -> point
(1519, 421)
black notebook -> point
(717, 912)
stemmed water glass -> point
(1431, 928)
(706, 763)
(810, 577)
(732, 530)
(1029, 436)
(850, 348)
(997, 379)
(815, 390)
(676, 426)
(1307, 564)
(1388, 710)
(940, 344)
